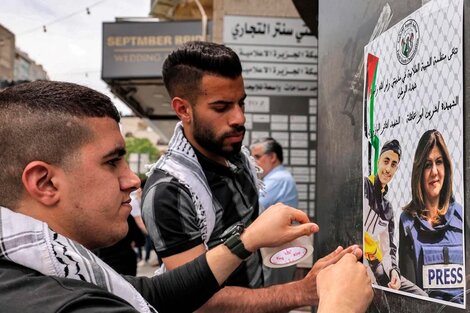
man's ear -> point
(182, 109)
(272, 157)
(38, 180)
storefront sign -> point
(138, 49)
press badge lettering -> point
(443, 276)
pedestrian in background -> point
(279, 186)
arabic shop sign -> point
(273, 48)
(266, 31)
(138, 49)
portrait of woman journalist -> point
(431, 240)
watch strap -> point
(236, 246)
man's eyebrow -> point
(117, 152)
(242, 99)
(220, 102)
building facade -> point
(16, 65)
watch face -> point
(239, 228)
(234, 229)
(288, 255)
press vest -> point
(437, 254)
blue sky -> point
(70, 50)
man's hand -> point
(274, 227)
(395, 282)
(309, 288)
(344, 287)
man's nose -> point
(129, 180)
(237, 116)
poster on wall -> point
(413, 156)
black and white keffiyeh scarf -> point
(31, 243)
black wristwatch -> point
(231, 238)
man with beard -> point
(203, 191)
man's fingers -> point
(355, 250)
(299, 216)
(305, 229)
(348, 257)
(358, 253)
(332, 254)
(339, 253)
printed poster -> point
(413, 156)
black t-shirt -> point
(173, 223)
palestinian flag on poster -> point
(372, 65)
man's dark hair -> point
(43, 121)
(270, 146)
(184, 68)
